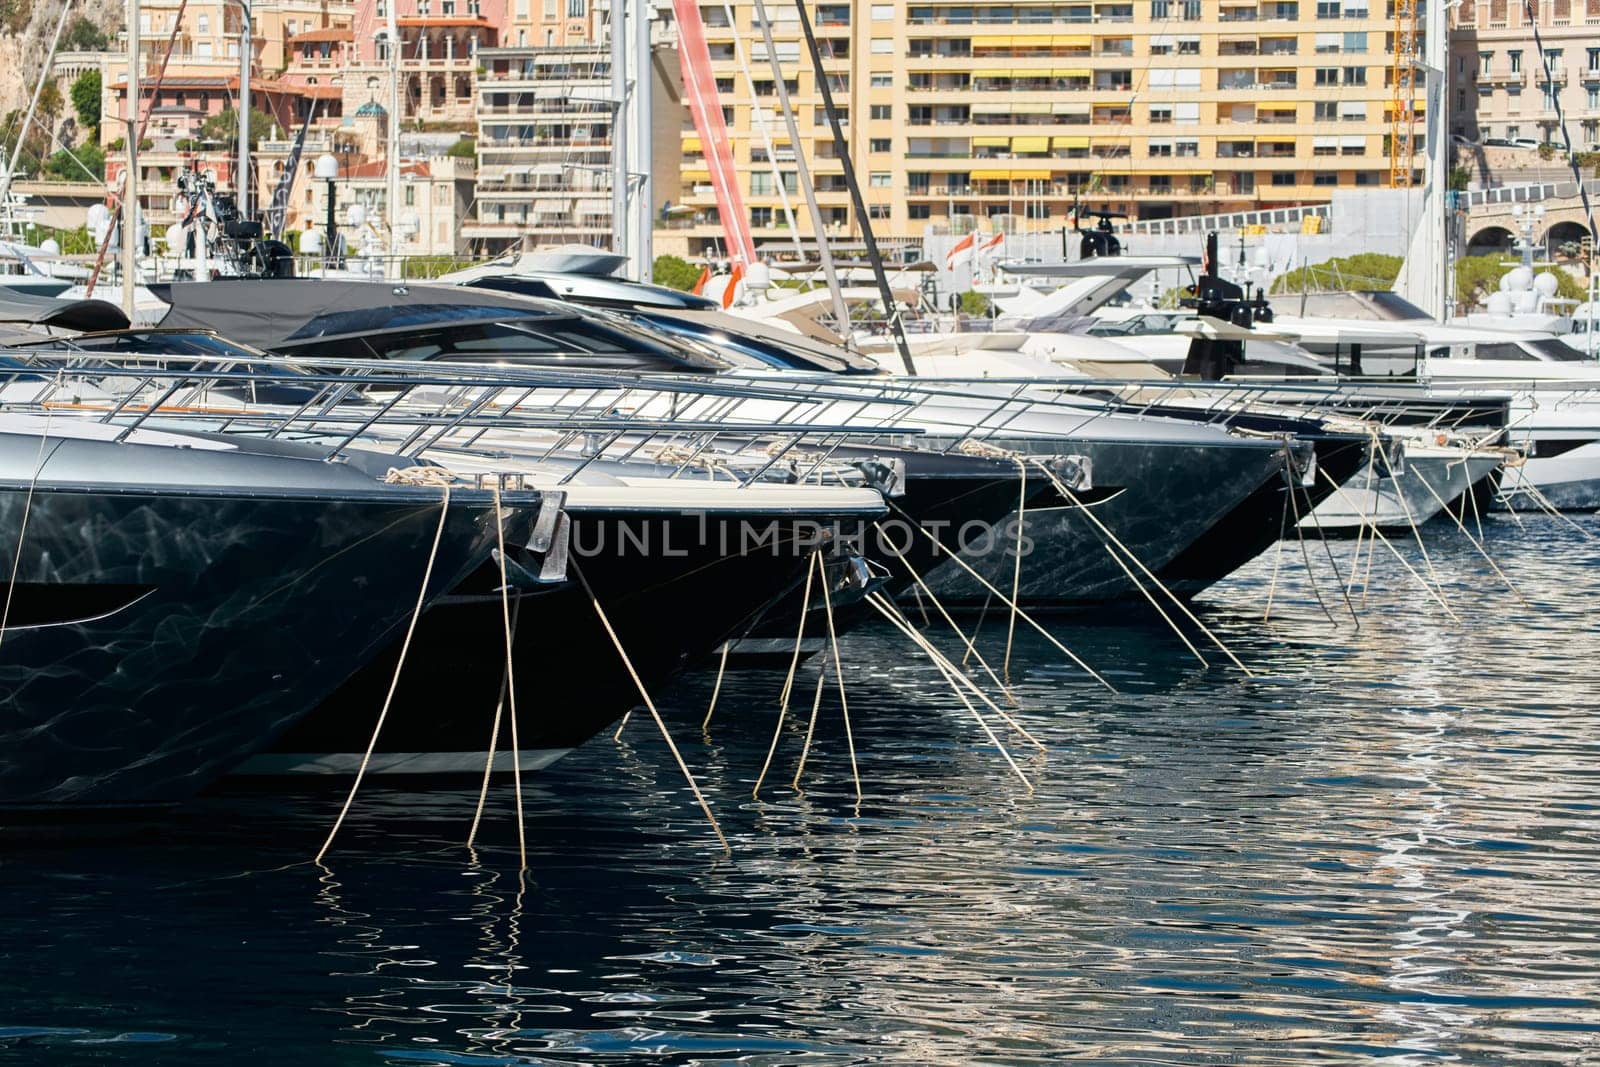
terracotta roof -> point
(318, 36)
(376, 168)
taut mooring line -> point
(394, 682)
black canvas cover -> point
(81, 315)
(265, 312)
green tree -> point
(85, 93)
(466, 148)
(675, 272)
(50, 103)
(973, 303)
(224, 127)
(1460, 177)
(83, 35)
(1364, 270)
(1478, 276)
(88, 166)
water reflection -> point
(1383, 842)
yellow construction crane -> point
(1403, 94)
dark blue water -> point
(1383, 845)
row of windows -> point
(1552, 56)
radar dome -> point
(1519, 280)
(50, 247)
(1547, 284)
(1499, 303)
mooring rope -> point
(1016, 570)
(783, 704)
(901, 623)
(394, 682)
(1027, 618)
(716, 690)
(838, 674)
(1416, 530)
(971, 647)
(1300, 535)
(1482, 551)
(1377, 533)
(1277, 560)
(27, 510)
(811, 729)
(644, 695)
(1327, 550)
(960, 678)
(494, 738)
(511, 679)
(1176, 600)
(800, 632)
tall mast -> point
(617, 21)
(130, 183)
(640, 142)
(392, 147)
(241, 184)
(896, 328)
(803, 177)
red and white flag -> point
(962, 252)
(991, 247)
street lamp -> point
(326, 168)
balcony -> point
(1590, 76)
(1504, 77)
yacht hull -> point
(1170, 495)
(673, 585)
(1425, 486)
(155, 638)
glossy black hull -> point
(954, 497)
(1157, 498)
(1253, 526)
(673, 585)
(156, 637)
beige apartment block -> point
(1498, 85)
(545, 144)
(1002, 115)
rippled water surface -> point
(1384, 844)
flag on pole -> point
(734, 279)
(962, 252)
(278, 210)
(991, 247)
(700, 282)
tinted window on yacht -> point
(1556, 351)
(536, 342)
(397, 316)
(520, 286)
(1503, 351)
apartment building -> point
(545, 143)
(1002, 115)
(1498, 82)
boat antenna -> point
(857, 204)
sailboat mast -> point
(130, 182)
(392, 146)
(841, 311)
(618, 21)
(241, 184)
(640, 137)
(862, 219)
